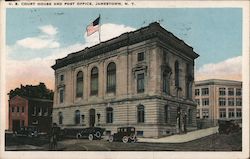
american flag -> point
(93, 27)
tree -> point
(36, 91)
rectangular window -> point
(230, 101)
(197, 101)
(140, 56)
(222, 91)
(198, 113)
(139, 133)
(204, 91)
(238, 102)
(61, 78)
(140, 83)
(238, 113)
(13, 109)
(61, 95)
(17, 110)
(238, 91)
(205, 113)
(231, 91)
(197, 92)
(230, 113)
(205, 102)
(222, 101)
(222, 113)
(23, 109)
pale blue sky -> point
(215, 34)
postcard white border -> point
(135, 154)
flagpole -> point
(100, 29)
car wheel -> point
(91, 137)
(125, 139)
(111, 138)
(78, 136)
(98, 134)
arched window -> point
(109, 115)
(77, 117)
(94, 81)
(165, 83)
(79, 84)
(140, 114)
(111, 77)
(176, 70)
(60, 117)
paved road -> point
(216, 142)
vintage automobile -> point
(91, 133)
(228, 126)
(30, 131)
(124, 134)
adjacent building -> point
(24, 111)
(142, 78)
(218, 99)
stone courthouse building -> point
(142, 78)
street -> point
(215, 142)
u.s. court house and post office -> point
(143, 78)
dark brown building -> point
(24, 111)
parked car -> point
(124, 134)
(30, 131)
(228, 126)
(91, 133)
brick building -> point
(218, 99)
(142, 78)
(24, 111)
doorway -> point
(91, 117)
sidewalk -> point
(180, 138)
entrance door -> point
(91, 117)
(15, 125)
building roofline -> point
(217, 82)
(153, 30)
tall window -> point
(13, 109)
(238, 91)
(205, 102)
(231, 113)
(61, 78)
(197, 101)
(222, 91)
(17, 109)
(61, 95)
(238, 113)
(140, 83)
(165, 82)
(140, 56)
(204, 91)
(198, 113)
(109, 115)
(176, 70)
(140, 114)
(166, 112)
(94, 81)
(230, 91)
(77, 117)
(222, 101)
(111, 77)
(79, 84)
(197, 92)
(60, 116)
(238, 102)
(222, 113)
(22, 109)
(230, 101)
(205, 113)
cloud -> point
(48, 29)
(38, 69)
(46, 40)
(230, 69)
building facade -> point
(24, 111)
(219, 99)
(142, 78)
